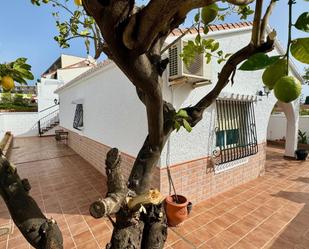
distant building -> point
(63, 70)
(23, 89)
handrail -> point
(49, 114)
(48, 108)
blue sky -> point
(28, 31)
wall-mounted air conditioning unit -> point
(198, 72)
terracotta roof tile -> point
(226, 26)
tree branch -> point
(117, 189)
(265, 19)
(39, 231)
(256, 29)
(159, 18)
(196, 112)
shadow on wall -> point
(34, 131)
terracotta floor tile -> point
(3, 245)
(172, 237)
(239, 229)
(213, 228)
(258, 237)
(64, 187)
(68, 243)
(203, 234)
(229, 238)
(78, 228)
(279, 243)
(100, 229)
(104, 239)
(217, 243)
(82, 238)
(89, 245)
(244, 245)
(182, 245)
(194, 239)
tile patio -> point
(269, 212)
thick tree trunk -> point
(140, 221)
(40, 232)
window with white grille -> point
(235, 132)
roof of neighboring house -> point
(80, 64)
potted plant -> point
(301, 154)
(177, 209)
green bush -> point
(302, 138)
(18, 99)
(6, 98)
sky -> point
(28, 31)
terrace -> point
(269, 212)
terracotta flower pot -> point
(176, 212)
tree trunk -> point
(40, 232)
(139, 225)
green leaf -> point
(215, 47)
(182, 114)
(186, 125)
(87, 44)
(177, 125)
(197, 17)
(25, 73)
(258, 61)
(300, 49)
(85, 32)
(302, 22)
(198, 39)
(206, 29)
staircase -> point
(49, 121)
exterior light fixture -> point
(265, 91)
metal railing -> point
(236, 136)
(49, 120)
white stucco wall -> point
(113, 115)
(277, 126)
(46, 93)
(68, 74)
(19, 123)
(200, 142)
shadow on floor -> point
(296, 234)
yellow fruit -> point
(274, 72)
(7, 83)
(209, 13)
(287, 89)
(78, 2)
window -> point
(78, 117)
(236, 131)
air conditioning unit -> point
(198, 72)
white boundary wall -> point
(21, 124)
(277, 126)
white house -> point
(225, 149)
(64, 69)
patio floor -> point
(269, 212)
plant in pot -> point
(177, 207)
(301, 154)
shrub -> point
(302, 138)
(6, 98)
(19, 100)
